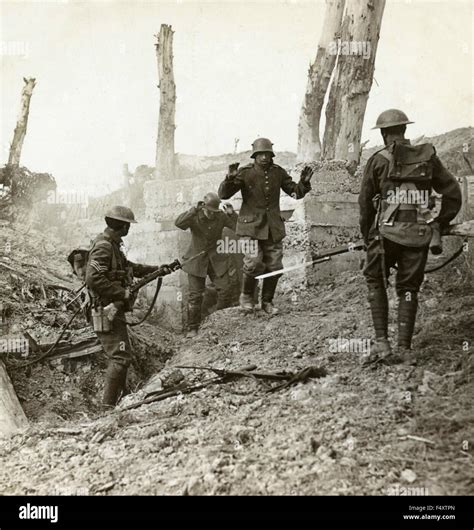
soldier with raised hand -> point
(397, 225)
(206, 222)
(260, 220)
(108, 277)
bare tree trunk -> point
(21, 124)
(352, 79)
(12, 417)
(319, 75)
(165, 155)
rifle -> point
(245, 372)
(316, 258)
(162, 271)
(112, 309)
(181, 389)
(358, 245)
(377, 202)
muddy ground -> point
(380, 430)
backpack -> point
(409, 167)
(79, 257)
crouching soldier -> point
(397, 225)
(203, 257)
(260, 220)
(108, 277)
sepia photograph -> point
(236, 260)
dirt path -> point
(348, 433)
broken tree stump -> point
(319, 75)
(21, 124)
(165, 155)
(352, 80)
(12, 417)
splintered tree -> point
(319, 75)
(165, 155)
(22, 123)
(12, 417)
(352, 80)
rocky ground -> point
(360, 430)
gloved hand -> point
(228, 208)
(129, 300)
(306, 174)
(166, 269)
(232, 171)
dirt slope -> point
(343, 434)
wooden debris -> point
(12, 417)
(105, 487)
(419, 439)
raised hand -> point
(233, 170)
(306, 174)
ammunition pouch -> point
(408, 234)
(100, 322)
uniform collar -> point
(203, 217)
(260, 169)
(113, 236)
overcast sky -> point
(240, 70)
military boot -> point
(378, 302)
(268, 291)
(247, 296)
(115, 378)
(380, 350)
(407, 309)
(194, 319)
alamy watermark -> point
(14, 344)
(237, 246)
(72, 197)
(406, 491)
(402, 196)
(341, 345)
(17, 48)
(352, 47)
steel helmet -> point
(262, 145)
(391, 118)
(212, 201)
(121, 213)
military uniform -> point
(260, 218)
(108, 274)
(205, 233)
(402, 230)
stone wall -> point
(327, 217)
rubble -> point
(37, 289)
(347, 433)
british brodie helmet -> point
(391, 118)
(121, 213)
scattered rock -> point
(408, 475)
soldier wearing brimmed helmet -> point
(260, 218)
(206, 222)
(108, 277)
(397, 225)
